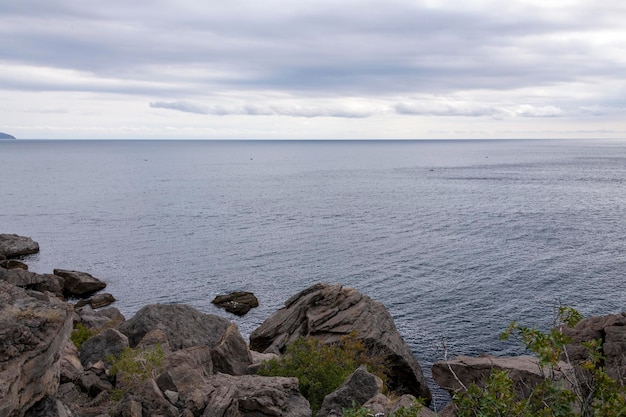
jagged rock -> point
(107, 317)
(145, 399)
(381, 404)
(48, 407)
(231, 354)
(13, 264)
(93, 384)
(252, 395)
(12, 246)
(32, 335)
(611, 330)
(183, 325)
(33, 281)
(155, 338)
(98, 347)
(239, 302)
(96, 301)
(355, 391)
(525, 372)
(79, 284)
(71, 367)
(329, 312)
(257, 359)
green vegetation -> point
(134, 366)
(81, 333)
(321, 368)
(587, 391)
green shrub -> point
(590, 392)
(320, 368)
(412, 411)
(81, 333)
(134, 366)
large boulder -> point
(230, 354)
(238, 302)
(98, 347)
(330, 312)
(79, 284)
(459, 373)
(33, 281)
(611, 331)
(355, 391)
(12, 246)
(183, 325)
(33, 332)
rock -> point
(96, 301)
(231, 354)
(611, 331)
(93, 384)
(12, 246)
(239, 302)
(382, 405)
(155, 338)
(355, 391)
(48, 407)
(71, 367)
(145, 400)
(525, 372)
(97, 348)
(330, 312)
(32, 281)
(252, 395)
(32, 335)
(13, 264)
(79, 284)
(183, 325)
(107, 317)
(257, 359)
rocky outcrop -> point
(183, 325)
(96, 301)
(611, 331)
(33, 331)
(12, 246)
(13, 264)
(239, 302)
(525, 372)
(354, 392)
(97, 348)
(329, 312)
(33, 281)
(79, 284)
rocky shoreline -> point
(206, 368)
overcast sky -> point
(313, 69)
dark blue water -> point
(456, 238)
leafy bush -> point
(134, 366)
(589, 391)
(321, 368)
(81, 333)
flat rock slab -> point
(12, 246)
(239, 302)
(79, 284)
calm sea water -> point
(456, 238)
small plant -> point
(81, 333)
(412, 411)
(320, 368)
(137, 365)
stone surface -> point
(106, 317)
(79, 284)
(33, 281)
(145, 400)
(12, 246)
(523, 370)
(611, 330)
(13, 264)
(97, 348)
(184, 326)
(252, 395)
(329, 312)
(231, 354)
(383, 405)
(48, 407)
(355, 391)
(33, 333)
(239, 302)
(96, 301)
(71, 367)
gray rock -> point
(381, 404)
(97, 348)
(32, 281)
(252, 395)
(71, 367)
(32, 335)
(330, 312)
(183, 325)
(79, 284)
(239, 302)
(48, 407)
(93, 384)
(96, 301)
(12, 246)
(107, 317)
(525, 372)
(355, 391)
(13, 264)
(145, 399)
(231, 354)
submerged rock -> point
(239, 302)
(330, 312)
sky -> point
(328, 69)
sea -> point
(457, 238)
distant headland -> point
(6, 136)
